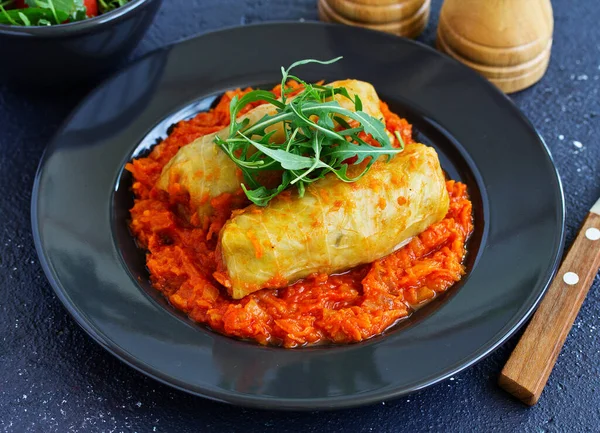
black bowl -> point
(76, 52)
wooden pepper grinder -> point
(507, 41)
(401, 17)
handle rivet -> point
(593, 234)
(571, 278)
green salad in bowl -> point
(53, 12)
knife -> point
(529, 366)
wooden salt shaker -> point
(507, 41)
(401, 17)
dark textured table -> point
(56, 379)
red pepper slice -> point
(91, 7)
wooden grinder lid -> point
(508, 41)
(401, 17)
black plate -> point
(81, 197)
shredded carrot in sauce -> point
(345, 308)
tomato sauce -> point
(345, 308)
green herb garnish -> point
(42, 12)
(313, 146)
(51, 12)
(31, 16)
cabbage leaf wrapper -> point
(335, 226)
(204, 171)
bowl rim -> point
(59, 30)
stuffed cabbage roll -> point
(335, 226)
(204, 171)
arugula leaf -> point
(372, 126)
(107, 6)
(318, 138)
(261, 196)
(399, 138)
(33, 17)
(75, 9)
(349, 150)
(285, 73)
(80, 12)
(288, 161)
(8, 19)
(24, 19)
(46, 4)
(50, 12)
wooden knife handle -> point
(528, 368)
